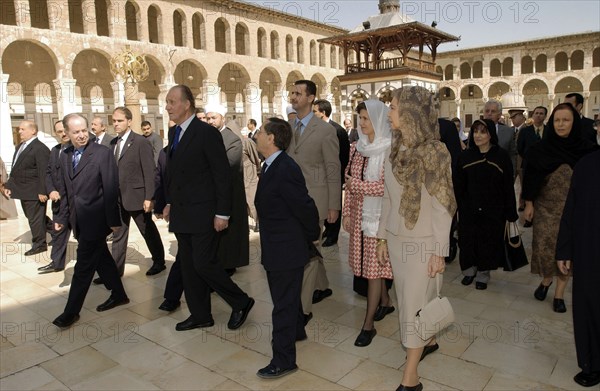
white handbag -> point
(435, 316)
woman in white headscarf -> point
(362, 210)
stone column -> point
(551, 102)
(118, 93)
(7, 148)
(66, 101)
(253, 102)
(164, 89)
(143, 33)
(284, 102)
(88, 9)
(458, 103)
(586, 104)
(23, 15)
(211, 92)
(58, 16)
(117, 19)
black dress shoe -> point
(382, 311)
(365, 337)
(191, 323)
(527, 224)
(37, 250)
(329, 242)
(169, 305)
(49, 268)
(307, 318)
(541, 291)
(428, 350)
(237, 318)
(319, 295)
(111, 303)
(325, 234)
(559, 306)
(155, 269)
(418, 387)
(587, 379)
(467, 280)
(273, 372)
(65, 320)
(480, 286)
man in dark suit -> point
(27, 182)
(234, 245)
(135, 161)
(60, 239)
(99, 129)
(198, 194)
(89, 189)
(587, 124)
(322, 109)
(350, 131)
(290, 222)
(154, 138)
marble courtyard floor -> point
(503, 338)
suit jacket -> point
(136, 171)
(106, 140)
(54, 175)
(198, 179)
(317, 153)
(353, 136)
(344, 142)
(288, 217)
(89, 194)
(527, 137)
(587, 129)
(159, 181)
(234, 246)
(157, 144)
(506, 140)
(449, 136)
(28, 175)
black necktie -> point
(264, 168)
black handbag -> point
(515, 252)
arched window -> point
(332, 57)
(154, 24)
(274, 45)
(102, 28)
(198, 31)
(221, 36)
(477, 70)
(179, 28)
(289, 48)
(577, 60)
(300, 50)
(449, 72)
(526, 65)
(75, 16)
(322, 58)
(541, 63)
(313, 52)
(242, 38)
(495, 68)
(261, 42)
(38, 12)
(561, 62)
(131, 21)
(465, 70)
(507, 67)
(8, 15)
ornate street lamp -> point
(131, 68)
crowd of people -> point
(409, 180)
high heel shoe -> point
(418, 387)
(541, 291)
(559, 305)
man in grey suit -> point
(315, 147)
(506, 134)
(99, 129)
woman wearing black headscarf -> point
(483, 184)
(545, 187)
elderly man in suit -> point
(99, 129)
(89, 189)
(290, 222)
(135, 160)
(315, 147)
(27, 182)
(60, 239)
(506, 135)
(234, 246)
(198, 196)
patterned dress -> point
(362, 255)
(548, 209)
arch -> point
(274, 45)
(198, 31)
(233, 79)
(75, 16)
(595, 84)
(156, 77)
(269, 83)
(568, 84)
(322, 58)
(356, 97)
(102, 25)
(322, 87)
(447, 94)
(179, 28)
(526, 65)
(29, 63)
(332, 57)
(132, 11)
(291, 79)
(313, 52)
(261, 42)
(507, 67)
(497, 89)
(449, 72)
(596, 57)
(471, 91)
(300, 50)
(222, 36)
(191, 73)
(91, 69)
(242, 39)
(289, 48)
(8, 15)
(561, 62)
(477, 69)
(541, 63)
(155, 24)
(438, 69)
(385, 94)
(577, 60)
(38, 13)
(465, 70)
(535, 92)
(495, 68)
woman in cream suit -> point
(418, 205)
